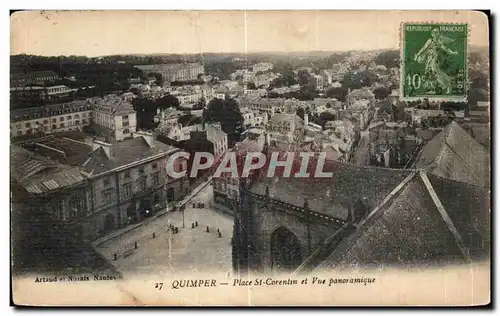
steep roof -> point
(38, 174)
(214, 133)
(332, 196)
(122, 153)
(421, 223)
(455, 155)
(25, 163)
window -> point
(125, 123)
(84, 121)
(155, 165)
(142, 185)
(106, 182)
(141, 170)
(27, 125)
(61, 119)
(61, 125)
(127, 174)
(54, 120)
(127, 190)
(59, 211)
(84, 114)
(125, 117)
(156, 180)
(19, 133)
(54, 126)
(18, 126)
(77, 208)
(126, 131)
(45, 121)
(69, 117)
(107, 196)
(77, 122)
(77, 116)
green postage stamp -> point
(434, 61)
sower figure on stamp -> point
(429, 55)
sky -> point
(100, 33)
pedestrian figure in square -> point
(208, 229)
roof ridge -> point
(442, 211)
(460, 182)
(347, 243)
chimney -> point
(148, 137)
(105, 146)
(266, 137)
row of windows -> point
(69, 117)
(30, 131)
(127, 190)
(127, 174)
(222, 183)
(65, 109)
(76, 209)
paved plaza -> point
(191, 249)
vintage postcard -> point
(250, 158)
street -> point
(191, 249)
(361, 153)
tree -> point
(476, 95)
(146, 110)
(167, 101)
(226, 112)
(390, 59)
(201, 104)
(285, 80)
(323, 118)
(251, 86)
(339, 93)
(359, 80)
(453, 106)
(301, 112)
(303, 77)
(381, 93)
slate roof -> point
(214, 133)
(114, 105)
(332, 196)
(38, 174)
(25, 163)
(65, 150)
(122, 153)
(455, 155)
(423, 224)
